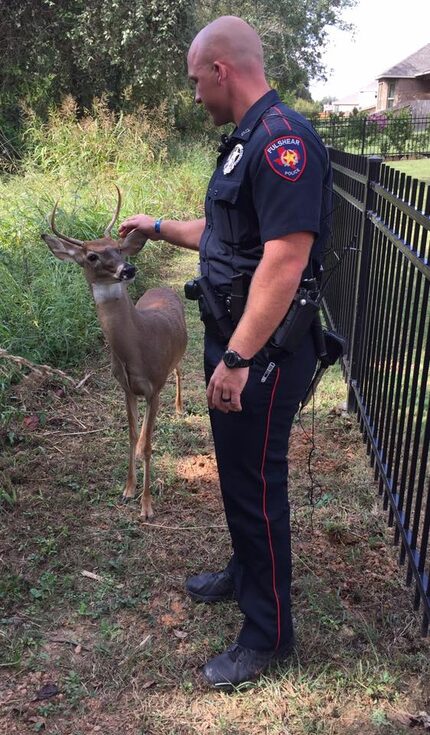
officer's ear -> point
(220, 71)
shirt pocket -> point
(230, 222)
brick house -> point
(364, 100)
(407, 84)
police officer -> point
(266, 213)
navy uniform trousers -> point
(251, 450)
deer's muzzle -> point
(127, 272)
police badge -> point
(233, 159)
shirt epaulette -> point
(275, 112)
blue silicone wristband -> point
(157, 225)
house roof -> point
(362, 96)
(413, 66)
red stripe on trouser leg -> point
(266, 518)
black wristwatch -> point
(233, 360)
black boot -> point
(211, 586)
(238, 665)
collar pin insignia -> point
(233, 159)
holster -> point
(330, 347)
(299, 317)
(213, 309)
(218, 311)
(239, 294)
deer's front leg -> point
(145, 450)
(131, 403)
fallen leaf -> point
(342, 536)
(180, 633)
(48, 690)
(91, 575)
(31, 422)
(148, 684)
(177, 606)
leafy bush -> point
(389, 133)
(306, 107)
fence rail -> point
(379, 299)
(378, 134)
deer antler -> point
(116, 213)
(56, 232)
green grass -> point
(417, 168)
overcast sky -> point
(386, 32)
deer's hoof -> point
(127, 499)
(147, 514)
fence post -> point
(363, 135)
(363, 267)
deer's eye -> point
(92, 257)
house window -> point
(390, 96)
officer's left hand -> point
(225, 387)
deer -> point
(147, 340)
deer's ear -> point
(64, 250)
(134, 242)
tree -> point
(133, 51)
(328, 100)
(293, 34)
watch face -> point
(230, 359)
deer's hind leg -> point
(144, 449)
(131, 404)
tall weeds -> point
(98, 143)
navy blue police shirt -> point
(273, 179)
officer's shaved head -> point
(229, 39)
(225, 61)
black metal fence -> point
(391, 136)
(379, 299)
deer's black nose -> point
(128, 272)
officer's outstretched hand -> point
(141, 222)
(225, 388)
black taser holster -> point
(298, 320)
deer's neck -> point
(116, 312)
(106, 293)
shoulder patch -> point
(286, 156)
